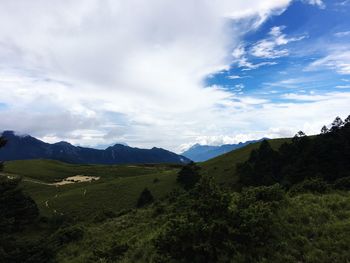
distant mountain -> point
(202, 153)
(28, 147)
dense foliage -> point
(293, 206)
(213, 226)
(189, 175)
(324, 156)
(145, 198)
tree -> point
(2, 144)
(145, 198)
(337, 124)
(300, 134)
(347, 120)
(189, 175)
(261, 167)
(202, 231)
(324, 129)
(16, 208)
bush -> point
(145, 198)
(67, 235)
(104, 215)
(313, 185)
(189, 176)
(16, 208)
(202, 231)
(257, 219)
(111, 254)
(342, 183)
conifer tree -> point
(324, 130)
(347, 120)
(337, 123)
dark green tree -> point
(202, 231)
(325, 156)
(261, 167)
(337, 123)
(145, 198)
(2, 144)
(189, 175)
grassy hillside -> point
(51, 171)
(118, 188)
(223, 167)
(307, 223)
(314, 227)
(119, 185)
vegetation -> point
(188, 176)
(285, 200)
(325, 156)
(145, 198)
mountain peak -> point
(24, 148)
(201, 153)
(8, 133)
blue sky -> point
(172, 73)
(310, 33)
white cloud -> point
(318, 3)
(270, 47)
(338, 60)
(94, 72)
(277, 120)
(342, 34)
(132, 70)
(234, 77)
(343, 87)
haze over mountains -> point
(202, 153)
(28, 147)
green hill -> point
(223, 167)
(119, 185)
(117, 189)
(306, 223)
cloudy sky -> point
(171, 73)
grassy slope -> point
(51, 171)
(224, 167)
(315, 228)
(118, 188)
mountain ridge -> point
(202, 153)
(25, 147)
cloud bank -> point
(98, 71)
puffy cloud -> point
(318, 3)
(269, 48)
(272, 47)
(132, 70)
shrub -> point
(313, 185)
(342, 183)
(145, 198)
(111, 254)
(104, 215)
(189, 176)
(202, 231)
(67, 235)
(257, 219)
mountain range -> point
(27, 147)
(202, 153)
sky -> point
(171, 73)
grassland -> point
(223, 167)
(117, 189)
(119, 186)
